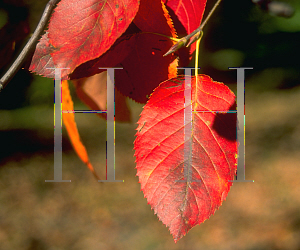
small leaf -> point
(186, 189)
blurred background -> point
(85, 214)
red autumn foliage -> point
(86, 35)
(84, 48)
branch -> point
(195, 35)
(30, 44)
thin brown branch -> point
(30, 44)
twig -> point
(30, 44)
(194, 36)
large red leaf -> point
(183, 196)
(146, 62)
(80, 31)
(145, 67)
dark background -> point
(84, 214)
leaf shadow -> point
(225, 124)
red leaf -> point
(153, 17)
(145, 67)
(83, 30)
(182, 200)
(189, 13)
(146, 62)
